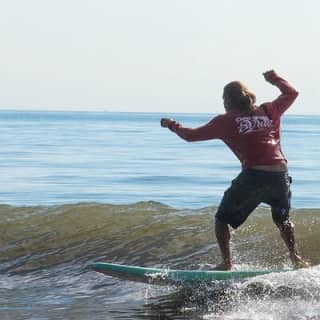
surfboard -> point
(169, 276)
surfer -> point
(253, 134)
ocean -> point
(80, 187)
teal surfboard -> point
(165, 276)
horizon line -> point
(146, 112)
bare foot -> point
(219, 267)
(223, 266)
(298, 262)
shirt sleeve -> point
(284, 101)
(212, 130)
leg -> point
(287, 233)
(223, 239)
(238, 202)
(280, 208)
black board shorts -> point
(252, 187)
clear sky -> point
(154, 55)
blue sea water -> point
(51, 158)
(129, 169)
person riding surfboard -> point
(253, 134)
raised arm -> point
(287, 97)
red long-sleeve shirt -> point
(255, 138)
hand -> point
(268, 75)
(165, 122)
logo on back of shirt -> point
(253, 124)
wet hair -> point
(239, 97)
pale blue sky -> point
(154, 55)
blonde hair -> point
(239, 97)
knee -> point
(221, 228)
(280, 215)
(219, 223)
(285, 225)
